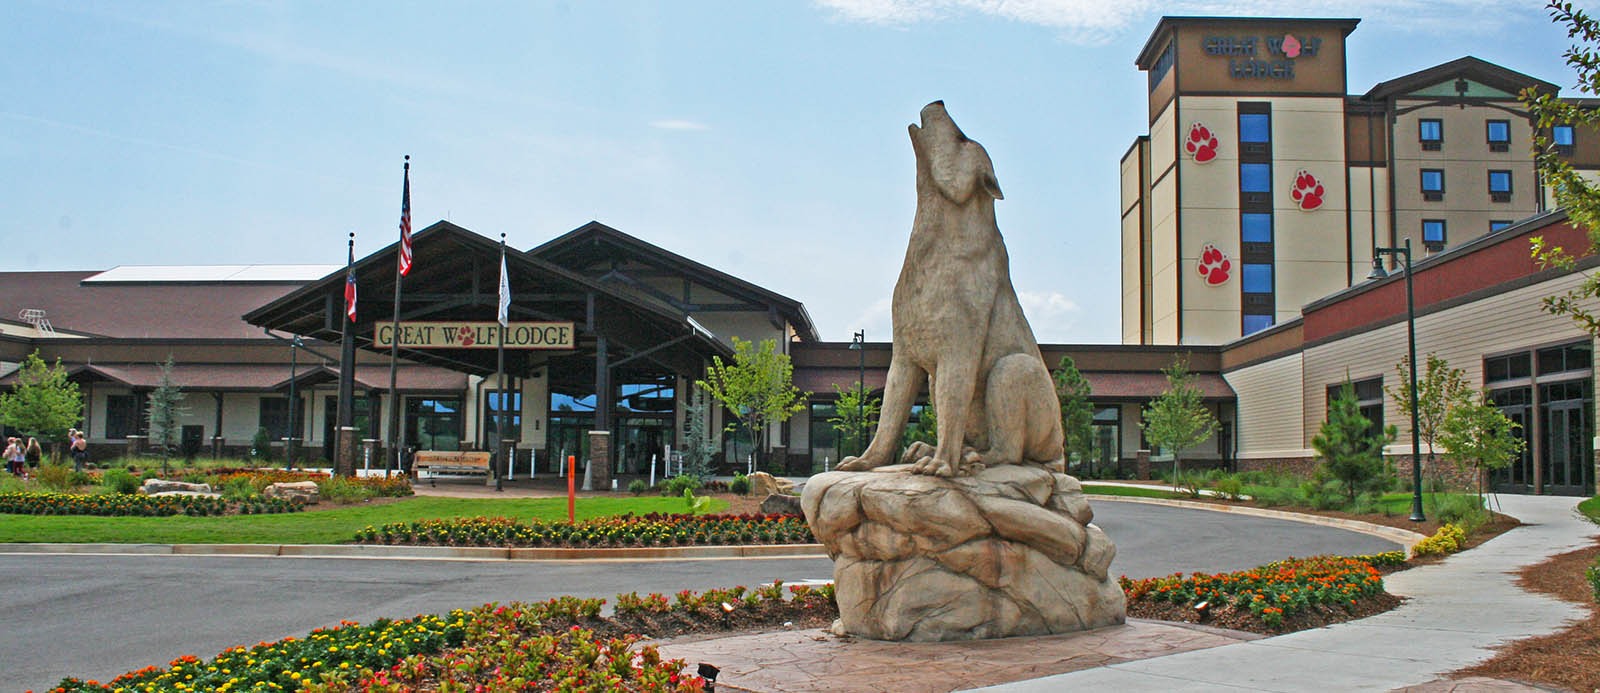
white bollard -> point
(652, 471)
(586, 485)
(824, 463)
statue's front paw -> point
(933, 466)
(855, 464)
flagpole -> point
(347, 367)
(402, 265)
(500, 370)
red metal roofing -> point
(145, 311)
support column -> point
(217, 440)
(600, 460)
(346, 451)
(1141, 465)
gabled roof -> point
(591, 241)
(137, 310)
(1469, 68)
(1148, 54)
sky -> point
(763, 138)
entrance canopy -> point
(455, 279)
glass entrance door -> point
(639, 438)
(1567, 422)
(1516, 477)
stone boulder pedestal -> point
(153, 487)
(1008, 551)
(763, 484)
(303, 491)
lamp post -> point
(294, 363)
(1411, 339)
(858, 342)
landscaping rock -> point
(1005, 552)
(763, 484)
(205, 494)
(154, 487)
(303, 491)
(781, 504)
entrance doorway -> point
(433, 423)
(1516, 477)
(363, 420)
(1566, 419)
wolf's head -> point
(957, 166)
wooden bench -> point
(438, 461)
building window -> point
(1498, 133)
(433, 424)
(1255, 178)
(1563, 359)
(824, 440)
(493, 402)
(1369, 400)
(274, 416)
(122, 416)
(1497, 224)
(1255, 228)
(1107, 439)
(1561, 135)
(1508, 367)
(1255, 128)
(1163, 64)
(1254, 323)
(1256, 278)
(1500, 186)
(1433, 237)
(1430, 131)
(1433, 184)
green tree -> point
(1441, 389)
(164, 412)
(1349, 451)
(924, 430)
(1177, 419)
(43, 403)
(1077, 415)
(758, 387)
(1478, 437)
(855, 413)
(699, 446)
(1580, 197)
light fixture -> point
(709, 673)
(1377, 269)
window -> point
(122, 416)
(433, 424)
(1500, 186)
(1433, 237)
(1255, 178)
(1430, 131)
(1369, 400)
(1107, 438)
(1572, 357)
(824, 439)
(1162, 65)
(1433, 184)
(1496, 225)
(1256, 323)
(1508, 367)
(274, 416)
(493, 402)
(1561, 135)
(1256, 278)
(1255, 127)
(1498, 133)
(1255, 228)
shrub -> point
(1464, 511)
(1593, 573)
(261, 445)
(55, 476)
(1230, 488)
(237, 488)
(344, 491)
(1445, 541)
(119, 480)
(740, 485)
(638, 487)
(1191, 483)
(674, 487)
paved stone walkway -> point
(813, 660)
(1458, 611)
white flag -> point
(505, 293)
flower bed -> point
(114, 504)
(653, 529)
(561, 644)
(1266, 597)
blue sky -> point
(766, 139)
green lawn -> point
(1140, 491)
(1591, 509)
(311, 527)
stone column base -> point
(345, 452)
(600, 458)
(1141, 465)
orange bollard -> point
(572, 494)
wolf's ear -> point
(990, 185)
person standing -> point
(12, 454)
(80, 450)
(32, 455)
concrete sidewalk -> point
(1458, 610)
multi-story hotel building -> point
(1263, 185)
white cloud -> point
(678, 125)
(1085, 20)
(1052, 315)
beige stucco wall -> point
(1270, 408)
(1466, 160)
(1132, 209)
(1368, 226)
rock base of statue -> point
(1008, 551)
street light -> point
(858, 342)
(1411, 337)
(294, 363)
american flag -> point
(405, 224)
(350, 295)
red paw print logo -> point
(1214, 265)
(466, 336)
(1307, 191)
(1202, 143)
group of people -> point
(19, 456)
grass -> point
(311, 527)
(1591, 509)
(1140, 491)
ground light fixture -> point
(1411, 337)
(709, 673)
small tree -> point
(758, 387)
(1077, 415)
(699, 446)
(1177, 419)
(1440, 390)
(924, 430)
(1477, 436)
(163, 413)
(43, 403)
(854, 415)
(1350, 452)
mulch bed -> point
(1226, 616)
(1569, 658)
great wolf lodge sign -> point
(1264, 57)
(476, 335)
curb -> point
(437, 553)
(1405, 538)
